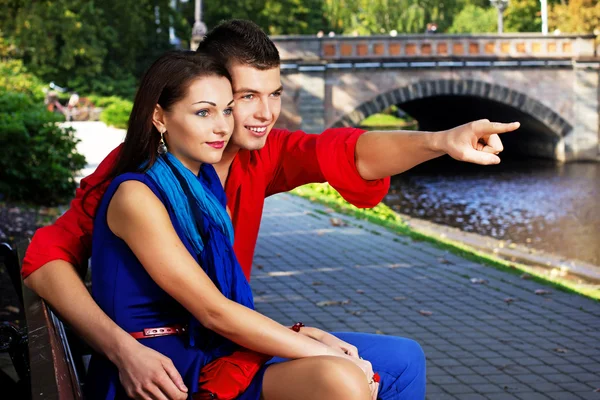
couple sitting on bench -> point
(172, 216)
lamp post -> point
(500, 6)
(199, 29)
(544, 16)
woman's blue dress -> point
(128, 295)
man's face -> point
(257, 95)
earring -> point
(162, 147)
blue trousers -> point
(400, 363)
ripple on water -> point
(538, 203)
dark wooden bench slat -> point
(53, 375)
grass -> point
(382, 215)
(387, 121)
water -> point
(537, 203)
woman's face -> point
(199, 126)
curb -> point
(556, 265)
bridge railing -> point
(518, 46)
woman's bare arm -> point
(137, 216)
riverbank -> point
(543, 269)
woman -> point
(163, 262)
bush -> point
(39, 159)
(15, 78)
(102, 101)
(117, 114)
(124, 86)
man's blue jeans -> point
(400, 363)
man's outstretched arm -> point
(297, 158)
(385, 153)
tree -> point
(577, 16)
(382, 16)
(292, 17)
(216, 11)
(276, 17)
(88, 46)
(523, 16)
(474, 19)
(58, 37)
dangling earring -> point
(162, 147)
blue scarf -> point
(198, 204)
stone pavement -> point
(96, 141)
(478, 346)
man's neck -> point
(223, 166)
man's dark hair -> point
(241, 41)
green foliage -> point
(88, 46)
(124, 86)
(214, 12)
(117, 113)
(381, 119)
(103, 101)
(324, 193)
(575, 16)
(523, 16)
(103, 47)
(457, 16)
(381, 16)
(475, 19)
(286, 17)
(388, 121)
(60, 37)
(39, 158)
(14, 77)
(276, 17)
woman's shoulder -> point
(133, 177)
(132, 194)
(136, 187)
(130, 179)
(135, 204)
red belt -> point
(162, 331)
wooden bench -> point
(52, 370)
(13, 338)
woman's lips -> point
(216, 145)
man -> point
(259, 161)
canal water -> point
(538, 203)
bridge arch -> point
(556, 124)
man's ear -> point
(158, 119)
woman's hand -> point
(345, 350)
(367, 368)
(338, 344)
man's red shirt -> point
(289, 159)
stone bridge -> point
(550, 83)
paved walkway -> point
(97, 140)
(478, 346)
